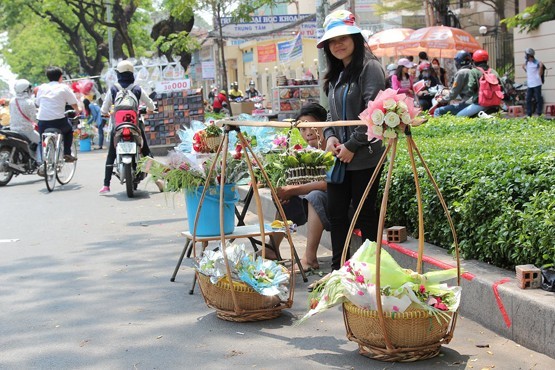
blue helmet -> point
(463, 58)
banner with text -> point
(266, 53)
(291, 49)
(261, 24)
(208, 70)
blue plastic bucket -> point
(209, 219)
(85, 145)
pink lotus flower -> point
(360, 279)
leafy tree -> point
(83, 26)
(531, 18)
(28, 55)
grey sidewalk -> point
(490, 296)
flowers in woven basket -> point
(355, 282)
(207, 140)
(264, 276)
(388, 114)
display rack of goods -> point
(174, 110)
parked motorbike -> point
(16, 156)
(128, 142)
(515, 93)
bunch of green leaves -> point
(498, 179)
(307, 158)
(213, 130)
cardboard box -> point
(244, 107)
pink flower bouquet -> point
(388, 114)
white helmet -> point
(22, 86)
(125, 66)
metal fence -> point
(501, 53)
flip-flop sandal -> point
(308, 269)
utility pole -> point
(322, 8)
(351, 7)
(110, 36)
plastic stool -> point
(550, 109)
(515, 110)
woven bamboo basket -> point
(213, 142)
(304, 175)
(218, 296)
(415, 334)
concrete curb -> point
(490, 297)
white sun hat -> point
(338, 23)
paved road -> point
(85, 285)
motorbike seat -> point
(16, 135)
(53, 130)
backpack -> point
(126, 103)
(388, 82)
(490, 93)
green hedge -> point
(498, 179)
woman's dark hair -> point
(422, 55)
(54, 73)
(399, 73)
(352, 71)
(314, 110)
(436, 60)
(86, 104)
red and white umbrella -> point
(438, 41)
(384, 43)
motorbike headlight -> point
(2, 137)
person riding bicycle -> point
(23, 113)
(52, 98)
(125, 73)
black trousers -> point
(63, 125)
(340, 197)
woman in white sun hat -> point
(353, 78)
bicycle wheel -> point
(65, 170)
(50, 163)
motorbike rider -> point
(429, 79)
(125, 74)
(252, 92)
(235, 93)
(52, 98)
(23, 114)
(4, 112)
(465, 86)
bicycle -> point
(55, 166)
